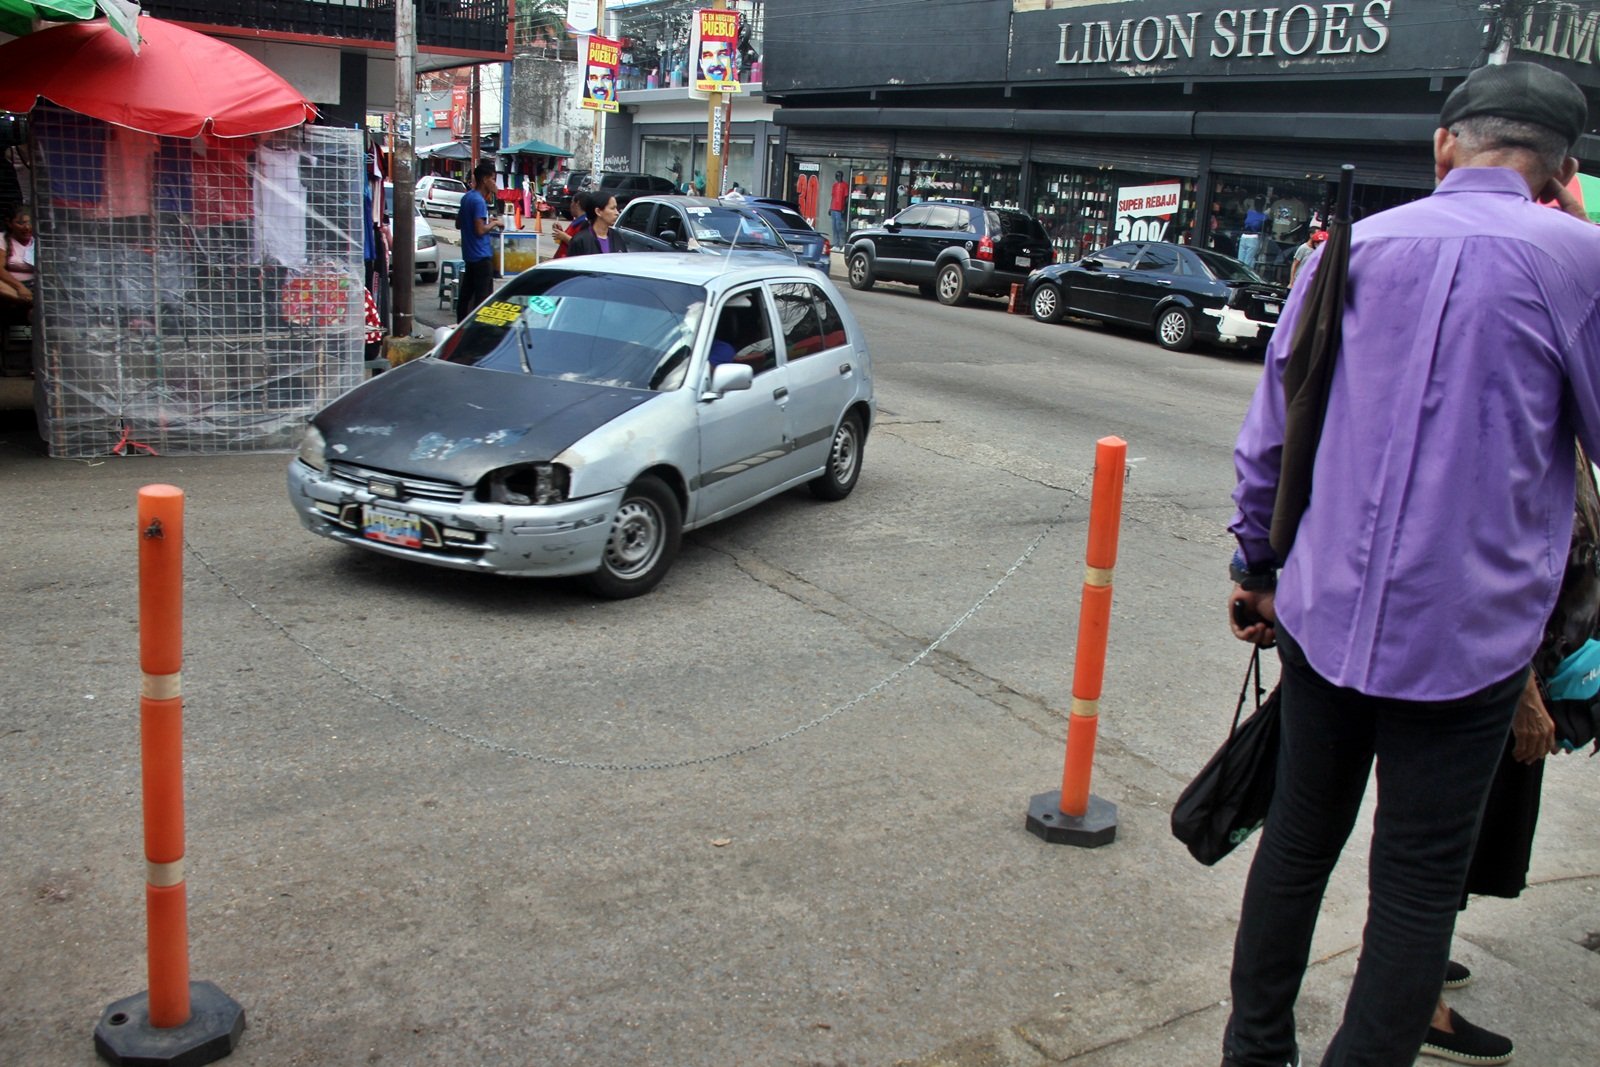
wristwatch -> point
(1252, 577)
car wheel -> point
(1175, 330)
(951, 284)
(429, 278)
(644, 539)
(861, 276)
(844, 461)
(1046, 303)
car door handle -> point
(780, 392)
(844, 368)
(1163, 281)
(1109, 274)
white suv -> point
(439, 196)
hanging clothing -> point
(281, 212)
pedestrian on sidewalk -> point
(477, 249)
(1428, 560)
(578, 211)
(599, 236)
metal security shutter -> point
(850, 144)
(960, 147)
(1145, 156)
(1398, 166)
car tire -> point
(1175, 329)
(645, 534)
(861, 273)
(1046, 303)
(844, 461)
(951, 285)
(428, 279)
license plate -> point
(1273, 309)
(391, 527)
(1024, 261)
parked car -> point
(559, 190)
(699, 224)
(950, 249)
(1184, 294)
(589, 413)
(627, 186)
(439, 196)
(812, 248)
(425, 256)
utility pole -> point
(716, 128)
(404, 272)
(597, 165)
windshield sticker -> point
(498, 313)
(543, 305)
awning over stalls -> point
(535, 148)
(448, 150)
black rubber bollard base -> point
(1097, 826)
(124, 1034)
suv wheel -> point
(1175, 330)
(951, 284)
(861, 275)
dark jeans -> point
(1435, 762)
(838, 228)
(477, 282)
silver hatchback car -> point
(591, 411)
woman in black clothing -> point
(599, 237)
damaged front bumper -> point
(1234, 327)
(540, 540)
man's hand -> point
(1554, 192)
(1533, 728)
(1252, 617)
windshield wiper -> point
(522, 344)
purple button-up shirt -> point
(1441, 504)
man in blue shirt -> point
(477, 282)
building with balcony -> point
(340, 53)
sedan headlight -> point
(426, 240)
(527, 483)
(312, 447)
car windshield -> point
(449, 185)
(1225, 268)
(725, 226)
(581, 326)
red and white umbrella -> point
(180, 84)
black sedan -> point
(1184, 294)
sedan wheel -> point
(861, 276)
(1046, 303)
(951, 285)
(844, 462)
(1174, 329)
(645, 534)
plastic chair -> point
(450, 272)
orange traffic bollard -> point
(1072, 816)
(1015, 304)
(176, 1020)
(518, 213)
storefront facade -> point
(1213, 125)
(664, 131)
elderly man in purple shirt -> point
(1428, 559)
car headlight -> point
(426, 240)
(527, 483)
(312, 447)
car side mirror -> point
(441, 334)
(671, 237)
(729, 378)
(892, 226)
(1090, 264)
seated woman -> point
(16, 263)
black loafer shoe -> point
(1467, 1043)
(1456, 975)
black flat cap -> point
(1524, 92)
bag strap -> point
(1252, 670)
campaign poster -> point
(714, 45)
(600, 74)
(1146, 212)
(583, 16)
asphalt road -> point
(770, 814)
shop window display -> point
(668, 157)
(943, 179)
(1261, 221)
(810, 185)
(1085, 209)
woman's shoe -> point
(1467, 1043)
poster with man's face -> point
(600, 74)
(715, 47)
